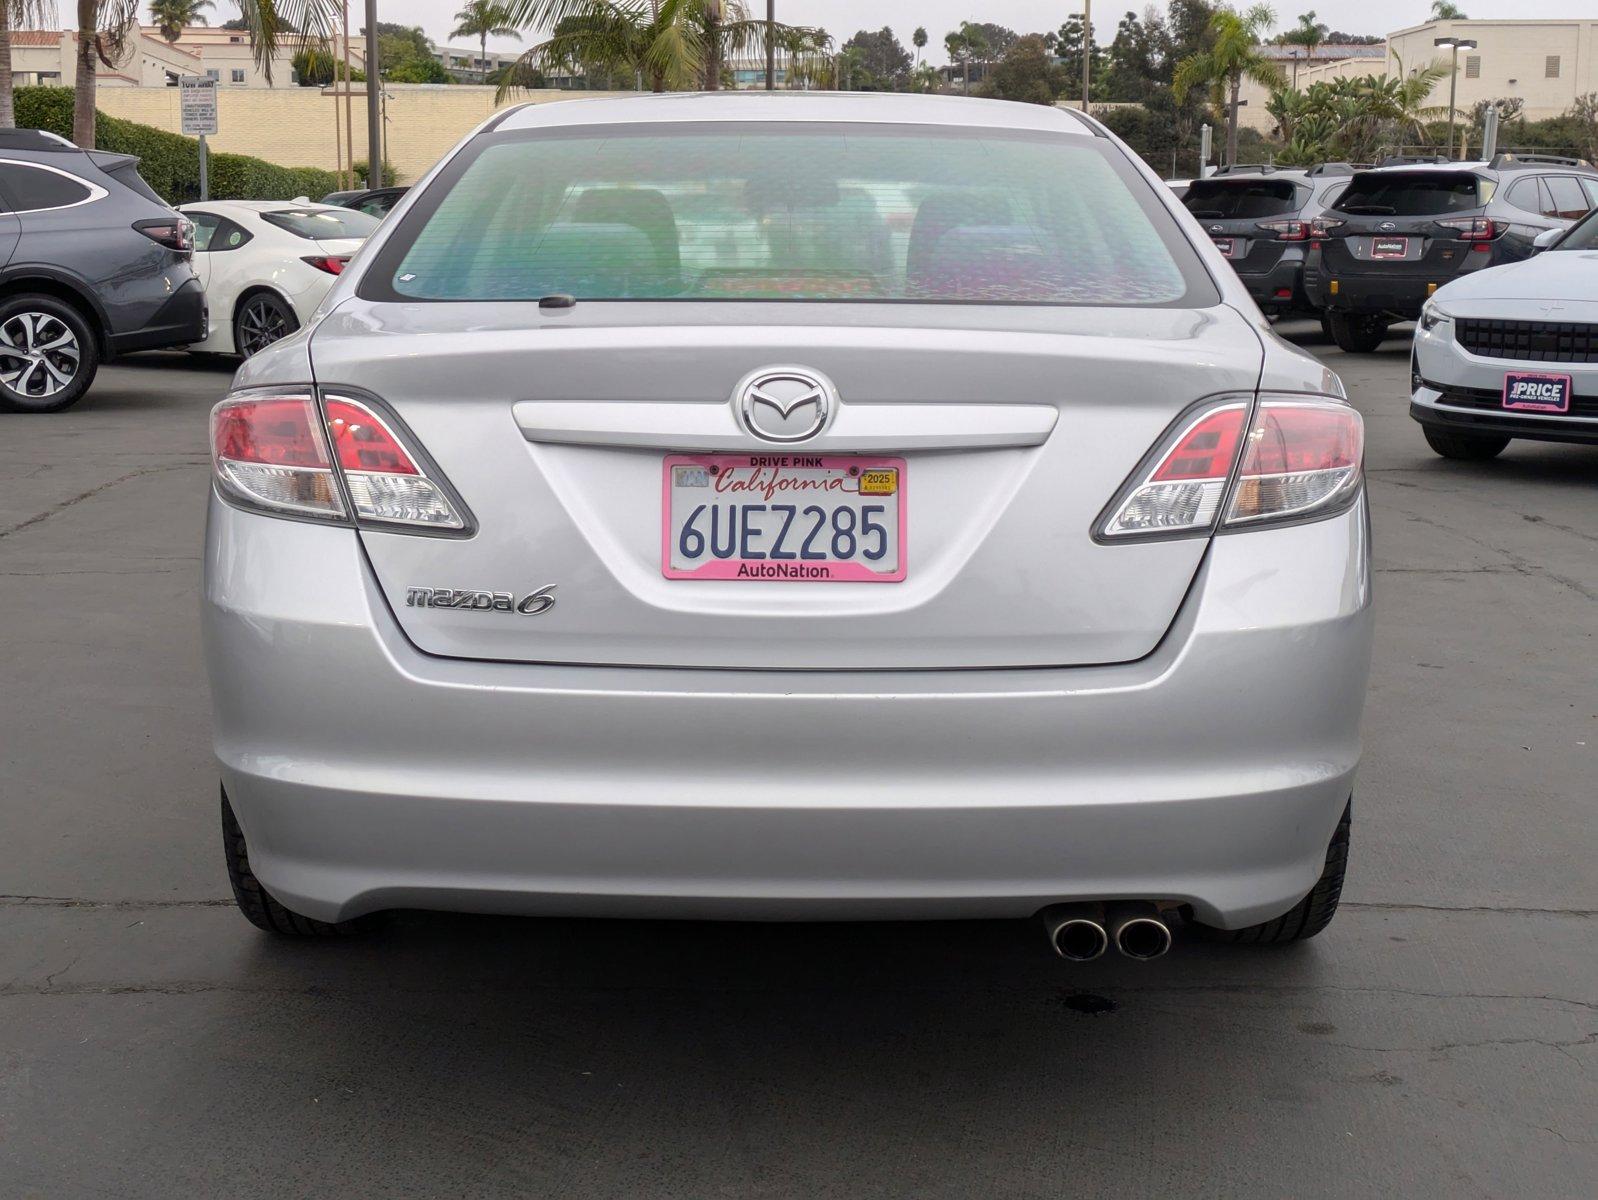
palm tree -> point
(173, 16)
(1308, 33)
(17, 14)
(955, 44)
(483, 19)
(919, 40)
(976, 46)
(674, 44)
(1233, 55)
(106, 26)
(1442, 10)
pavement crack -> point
(1507, 910)
(54, 509)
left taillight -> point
(176, 232)
(270, 453)
(1300, 458)
(289, 455)
(333, 264)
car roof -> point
(862, 107)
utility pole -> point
(1294, 55)
(771, 45)
(1456, 43)
(1087, 48)
(374, 111)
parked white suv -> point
(1512, 352)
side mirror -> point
(1545, 239)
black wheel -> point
(258, 904)
(262, 319)
(48, 354)
(1356, 333)
(1326, 326)
(1311, 914)
(1470, 447)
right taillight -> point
(1297, 458)
(176, 232)
(284, 454)
(1286, 231)
(1301, 458)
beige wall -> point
(1514, 58)
(294, 126)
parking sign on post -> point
(197, 109)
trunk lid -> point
(1390, 223)
(1234, 212)
(1016, 426)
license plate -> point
(1533, 392)
(1392, 247)
(1224, 245)
(810, 518)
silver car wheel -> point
(39, 355)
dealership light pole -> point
(374, 111)
(771, 45)
(1456, 43)
(1087, 47)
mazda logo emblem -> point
(785, 404)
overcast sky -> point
(841, 18)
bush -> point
(169, 162)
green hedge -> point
(169, 162)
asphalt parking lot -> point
(1441, 1039)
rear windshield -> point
(1415, 193)
(322, 224)
(1240, 199)
(791, 211)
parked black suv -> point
(1401, 231)
(92, 264)
(1259, 218)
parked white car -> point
(266, 264)
(1512, 352)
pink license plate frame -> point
(1533, 402)
(766, 570)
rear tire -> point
(257, 904)
(261, 320)
(1311, 914)
(48, 354)
(1466, 447)
(1357, 333)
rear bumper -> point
(178, 322)
(1400, 296)
(367, 775)
(1266, 286)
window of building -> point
(238, 74)
(1551, 67)
(1472, 66)
(213, 74)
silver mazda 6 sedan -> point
(790, 506)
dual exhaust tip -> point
(1083, 932)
